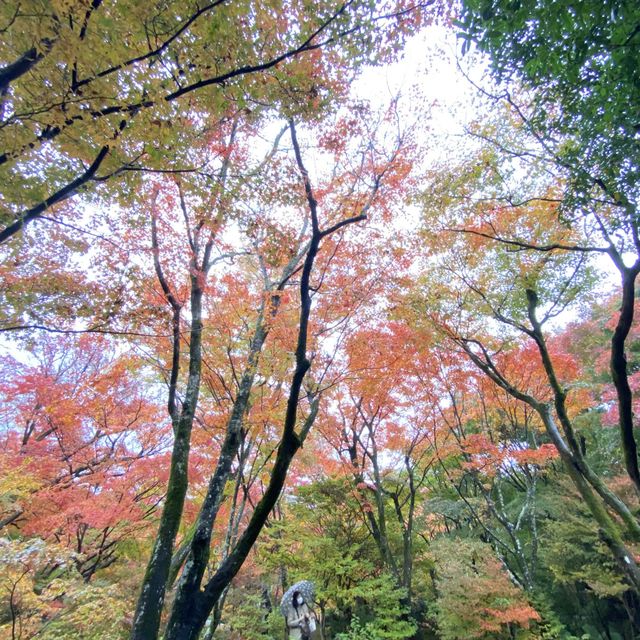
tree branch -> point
(59, 196)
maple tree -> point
(476, 599)
(192, 605)
(365, 423)
(494, 455)
(122, 78)
(170, 279)
(543, 245)
(83, 449)
(585, 129)
(522, 313)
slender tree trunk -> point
(619, 375)
(196, 552)
(382, 521)
(151, 599)
(407, 534)
(198, 555)
(192, 606)
(187, 622)
(559, 400)
(377, 527)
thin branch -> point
(96, 329)
(556, 246)
(80, 230)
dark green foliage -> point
(580, 586)
(581, 59)
(251, 620)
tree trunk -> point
(151, 599)
(620, 377)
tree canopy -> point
(260, 325)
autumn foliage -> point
(254, 329)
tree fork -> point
(188, 619)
